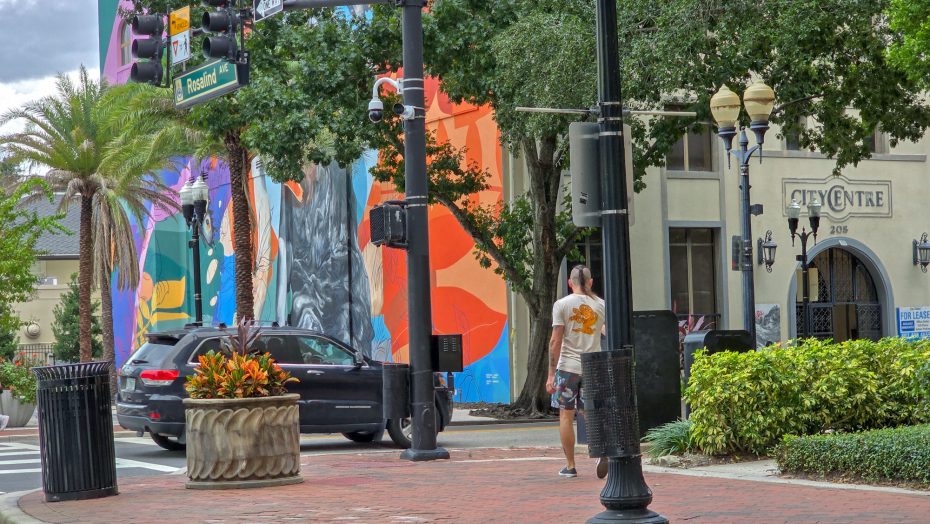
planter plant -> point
(243, 428)
(18, 400)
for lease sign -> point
(914, 322)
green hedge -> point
(898, 454)
(746, 402)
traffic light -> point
(150, 49)
(223, 22)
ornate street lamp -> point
(813, 215)
(758, 100)
(767, 248)
(194, 198)
(922, 253)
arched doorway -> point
(845, 303)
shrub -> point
(237, 372)
(669, 439)
(747, 402)
(898, 454)
(18, 380)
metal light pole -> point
(794, 215)
(625, 495)
(759, 100)
(194, 197)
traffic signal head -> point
(150, 49)
(224, 22)
(216, 3)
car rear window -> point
(151, 353)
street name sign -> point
(266, 8)
(208, 81)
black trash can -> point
(611, 420)
(76, 431)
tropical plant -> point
(237, 371)
(9, 343)
(66, 325)
(70, 134)
(16, 378)
(672, 438)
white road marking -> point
(14, 453)
(517, 459)
(126, 463)
(145, 441)
(21, 461)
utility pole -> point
(625, 495)
(419, 308)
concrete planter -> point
(20, 413)
(242, 443)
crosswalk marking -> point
(13, 449)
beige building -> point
(53, 271)
(862, 267)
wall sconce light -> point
(766, 250)
(922, 253)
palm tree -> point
(116, 200)
(64, 133)
(155, 132)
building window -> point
(793, 135)
(125, 44)
(693, 273)
(693, 151)
(877, 142)
(590, 253)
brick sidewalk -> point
(476, 486)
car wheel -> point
(360, 436)
(401, 432)
(169, 443)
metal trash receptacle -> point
(76, 431)
(611, 421)
(395, 389)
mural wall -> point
(314, 265)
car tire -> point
(400, 431)
(361, 436)
(169, 443)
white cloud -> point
(17, 94)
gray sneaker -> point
(568, 472)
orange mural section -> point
(466, 298)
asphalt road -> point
(20, 468)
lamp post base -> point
(422, 455)
(626, 495)
(638, 516)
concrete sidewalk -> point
(476, 486)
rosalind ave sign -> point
(208, 81)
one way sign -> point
(266, 8)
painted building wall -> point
(314, 264)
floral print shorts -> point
(568, 392)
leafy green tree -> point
(20, 230)
(9, 343)
(910, 20)
(66, 325)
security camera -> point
(375, 110)
(404, 112)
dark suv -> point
(340, 389)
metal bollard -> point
(76, 431)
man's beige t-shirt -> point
(583, 317)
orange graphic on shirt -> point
(585, 316)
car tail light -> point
(159, 377)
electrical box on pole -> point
(584, 169)
(150, 50)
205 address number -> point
(839, 230)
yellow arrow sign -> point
(179, 21)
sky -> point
(39, 39)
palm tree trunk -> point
(85, 277)
(242, 224)
(106, 316)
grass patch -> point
(669, 439)
(894, 454)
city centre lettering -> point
(840, 197)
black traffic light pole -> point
(625, 495)
(419, 309)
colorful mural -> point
(314, 264)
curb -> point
(497, 421)
(10, 512)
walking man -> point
(577, 324)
